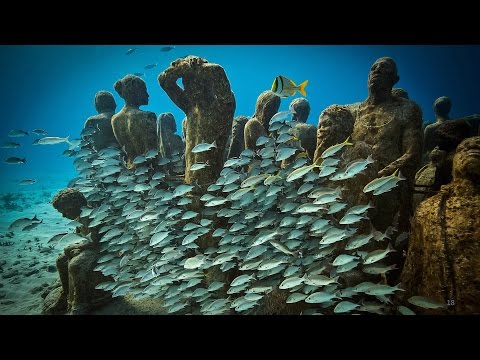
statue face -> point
(143, 94)
(383, 74)
(466, 162)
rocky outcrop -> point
(209, 105)
(102, 123)
(134, 128)
(443, 259)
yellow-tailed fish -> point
(285, 87)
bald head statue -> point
(442, 107)
(104, 102)
(382, 77)
(302, 109)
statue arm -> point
(168, 82)
(412, 146)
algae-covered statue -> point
(237, 140)
(209, 104)
(443, 259)
(391, 127)
(77, 294)
(306, 133)
(267, 105)
(441, 108)
(105, 106)
(168, 141)
(134, 128)
(399, 92)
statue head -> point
(167, 122)
(267, 105)
(133, 90)
(302, 109)
(466, 162)
(383, 75)
(104, 102)
(442, 106)
(69, 202)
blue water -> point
(53, 87)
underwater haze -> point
(53, 87)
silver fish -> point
(204, 147)
(332, 150)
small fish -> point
(379, 182)
(377, 255)
(359, 209)
(27, 182)
(139, 74)
(204, 147)
(167, 48)
(56, 238)
(296, 297)
(10, 145)
(332, 150)
(150, 66)
(403, 310)
(344, 307)
(284, 153)
(40, 132)
(343, 259)
(17, 133)
(296, 174)
(280, 118)
(52, 140)
(427, 303)
(131, 51)
(285, 87)
(32, 226)
(320, 297)
(15, 160)
(291, 282)
(199, 166)
(281, 247)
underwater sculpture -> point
(431, 176)
(237, 141)
(392, 128)
(134, 128)
(335, 124)
(77, 294)
(443, 259)
(209, 105)
(267, 105)
(400, 93)
(169, 142)
(102, 123)
(306, 133)
(441, 108)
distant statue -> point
(102, 123)
(399, 92)
(267, 105)
(306, 133)
(134, 128)
(443, 256)
(237, 139)
(441, 108)
(168, 141)
(209, 105)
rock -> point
(3, 262)
(7, 302)
(30, 272)
(335, 124)
(51, 268)
(2, 294)
(36, 289)
(443, 259)
(55, 302)
(209, 105)
(1, 285)
(169, 143)
(134, 128)
(105, 106)
(69, 202)
(237, 141)
(18, 262)
(11, 273)
(267, 105)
